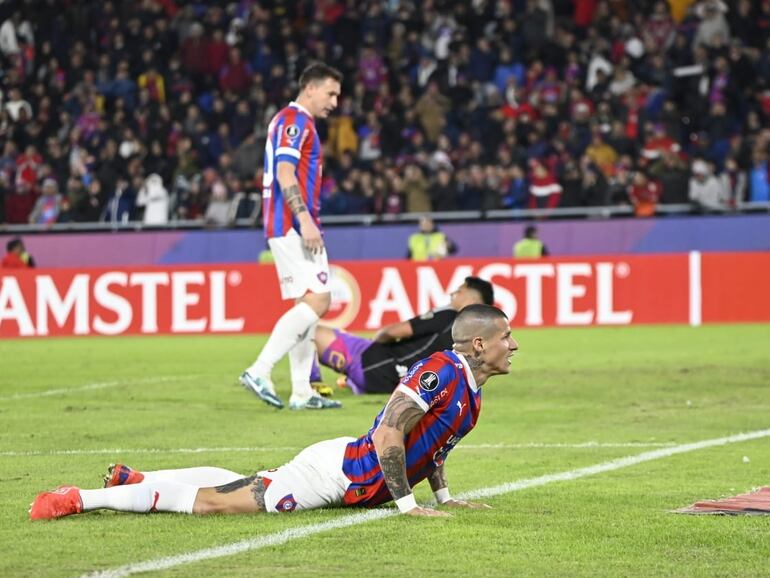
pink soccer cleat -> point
(120, 475)
(64, 501)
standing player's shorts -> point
(299, 270)
(345, 355)
(313, 479)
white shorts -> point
(299, 270)
(313, 479)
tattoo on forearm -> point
(393, 466)
(438, 479)
(256, 484)
(294, 201)
(402, 413)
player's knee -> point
(319, 302)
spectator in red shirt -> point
(16, 256)
(657, 144)
(544, 189)
(217, 51)
(19, 203)
(644, 194)
(236, 74)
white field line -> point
(92, 386)
(285, 536)
(118, 451)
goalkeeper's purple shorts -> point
(345, 356)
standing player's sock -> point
(300, 361)
(145, 497)
(315, 370)
(288, 330)
(202, 477)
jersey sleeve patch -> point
(429, 381)
(290, 139)
(292, 131)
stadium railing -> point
(603, 212)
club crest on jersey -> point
(292, 131)
(323, 277)
(428, 380)
(286, 504)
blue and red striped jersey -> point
(444, 387)
(291, 137)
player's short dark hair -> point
(483, 288)
(317, 72)
(475, 318)
(530, 231)
(13, 244)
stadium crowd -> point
(157, 109)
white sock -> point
(288, 330)
(142, 498)
(203, 477)
(301, 359)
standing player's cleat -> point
(120, 475)
(262, 388)
(313, 402)
(322, 389)
(63, 501)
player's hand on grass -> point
(427, 512)
(311, 236)
(463, 504)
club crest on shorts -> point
(286, 504)
(428, 380)
(292, 131)
(323, 277)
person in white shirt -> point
(153, 196)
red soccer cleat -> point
(120, 475)
(63, 501)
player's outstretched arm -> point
(401, 415)
(394, 332)
(440, 487)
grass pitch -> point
(69, 407)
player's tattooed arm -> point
(294, 201)
(438, 479)
(311, 235)
(393, 465)
(401, 415)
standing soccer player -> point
(291, 191)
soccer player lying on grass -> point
(433, 408)
(376, 365)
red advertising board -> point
(736, 287)
(678, 288)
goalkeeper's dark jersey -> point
(386, 363)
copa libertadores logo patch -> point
(428, 380)
(292, 131)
